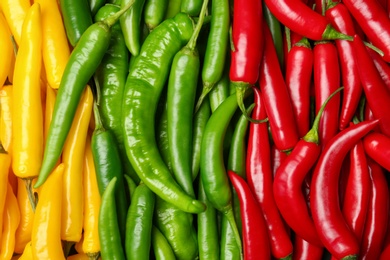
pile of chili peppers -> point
(194, 129)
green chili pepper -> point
(139, 223)
(161, 248)
(154, 12)
(173, 8)
(77, 18)
(109, 234)
(191, 7)
(110, 78)
(131, 185)
(108, 165)
(221, 91)
(217, 47)
(228, 244)
(147, 77)
(82, 64)
(208, 233)
(182, 86)
(131, 25)
(95, 5)
(162, 132)
(212, 167)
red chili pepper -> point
(324, 199)
(374, 21)
(358, 186)
(341, 19)
(254, 230)
(247, 49)
(299, 69)
(277, 158)
(305, 250)
(382, 66)
(377, 94)
(277, 101)
(289, 179)
(300, 18)
(377, 218)
(326, 74)
(385, 254)
(259, 176)
(377, 146)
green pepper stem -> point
(194, 37)
(111, 20)
(312, 135)
(30, 193)
(98, 120)
(287, 32)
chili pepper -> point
(376, 145)
(5, 163)
(161, 248)
(46, 236)
(95, 5)
(277, 102)
(255, 233)
(247, 45)
(296, 15)
(216, 49)
(173, 8)
(330, 225)
(154, 12)
(374, 21)
(81, 65)
(108, 165)
(15, 12)
(212, 169)
(143, 89)
(228, 245)
(277, 158)
(6, 117)
(92, 201)
(299, 70)
(27, 141)
(220, 91)
(55, 47)
(6, 47)
(73, 158)
(377, 217)
(305, 250)
(77, 18)
(375, 90)
(162, 132)
(27, 252)
(11, 218)
(130, 23)
(385, 254)
(191, 7)
(259, 176)
(356, 201)
(207, 228)
(109, 231)
(341, 19)
(326, 74)
(110, 78)
(139, 223)
(130, 184)
(381, 65)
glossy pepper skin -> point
(6, 46)
(146, 79)
(329, 223)
(376, 145)
(15, 12)
(130, 23)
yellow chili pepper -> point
(6, 117)
(6, 49)
(5, 163)
(27, 118)
(27, 252)
(14, 12)
(45, 238)
(73, 158)
(24, 231)
(11, 219)
(55, 50)
(92, 200)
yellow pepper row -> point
(62, 214)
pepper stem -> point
(331, 33)
(194, 37)
(312, 135)
(31, 197)
(111, 20)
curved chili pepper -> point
(375, 90)
(299, 70)
(341, 19)
(377, 217)
(374, 21)
(247, 47)
(95, 5)
(154, 12)
(145, 82)
(109, 232)
(324, 202)
(46, 236)
(305, 250)
(289, 179)
(381, 65)
(296, 15)
(191, 7)
(161, 248)
(82, 64)
(276, 98)
(259, 175)
(277, 158)
(6, 47)
(377, 146)
(255, 234)
(130, 23)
